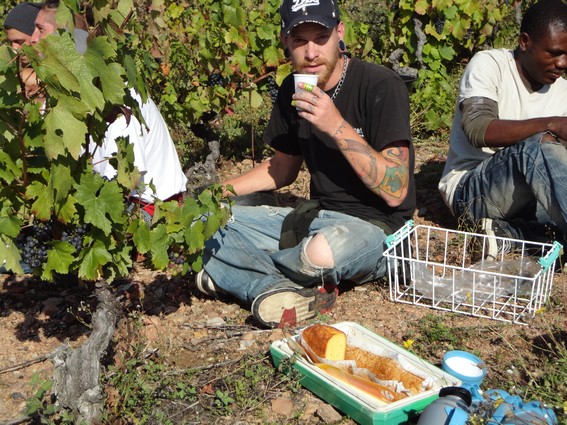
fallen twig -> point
(26, 364)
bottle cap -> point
(460, 392)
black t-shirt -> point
(375, 101)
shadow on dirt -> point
(63, 309)
(430, 204)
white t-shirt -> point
(154, 153)
(493, 74)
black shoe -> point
(269, 307)
(206, 286)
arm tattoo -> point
(395, 176)
(340, 129)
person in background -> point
(155, 155)
(19, 26)
(353, 132)
(507, 164)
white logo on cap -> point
(300, 4)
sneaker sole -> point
(492, 244)
(204, 286)
(269, 307)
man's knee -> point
(318, 252)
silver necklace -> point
(340, 83)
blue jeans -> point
(243, 258)
(526, 182)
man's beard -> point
(325, 74)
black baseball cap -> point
(22, 17)
(296, 12)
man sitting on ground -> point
(352, 130)
(507, 162)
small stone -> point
(17, 396)
(328, 414)
(244, 345)
(276, 335)
(51, 306)
(170, 309)
(216, 321)
(248, 336)
(282, 406)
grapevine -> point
(57, 216)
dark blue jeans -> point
(526, 181)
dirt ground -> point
(188, 330)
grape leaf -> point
(92, 262)
(10, 225)
(100, 199)
(9, 255)
(43, 204)
(64, 131)
(159, 244)
(141, 235)
(59, 258)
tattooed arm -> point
(386, 173)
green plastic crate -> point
(362, 407)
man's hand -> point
(317, 108)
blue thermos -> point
(452, 407)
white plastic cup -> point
(304, 78)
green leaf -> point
(421, 7)
(43, 204)
(194, 236)
(64, 131)
(159, 245)
(141, 237)
(93, 261)
(59, 258)
(256, 99)
(101, 201)
(447, 52)
(9, 170)
(271, 56)
(10, 255)
(10, 225)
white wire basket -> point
(451, 270)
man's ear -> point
(524, 41)
(341, 30)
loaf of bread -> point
(384, 368)
(331, 343)
(325, 341)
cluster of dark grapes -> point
(217, 80)
(440, 25)
(176, 259)
(74, 235)
(33, 243)
(273, 88)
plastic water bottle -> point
(452, 407)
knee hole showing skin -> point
(319, 252)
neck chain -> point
(340, 83)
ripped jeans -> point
(243, 257)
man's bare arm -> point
(278, 171)
(386, 173)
